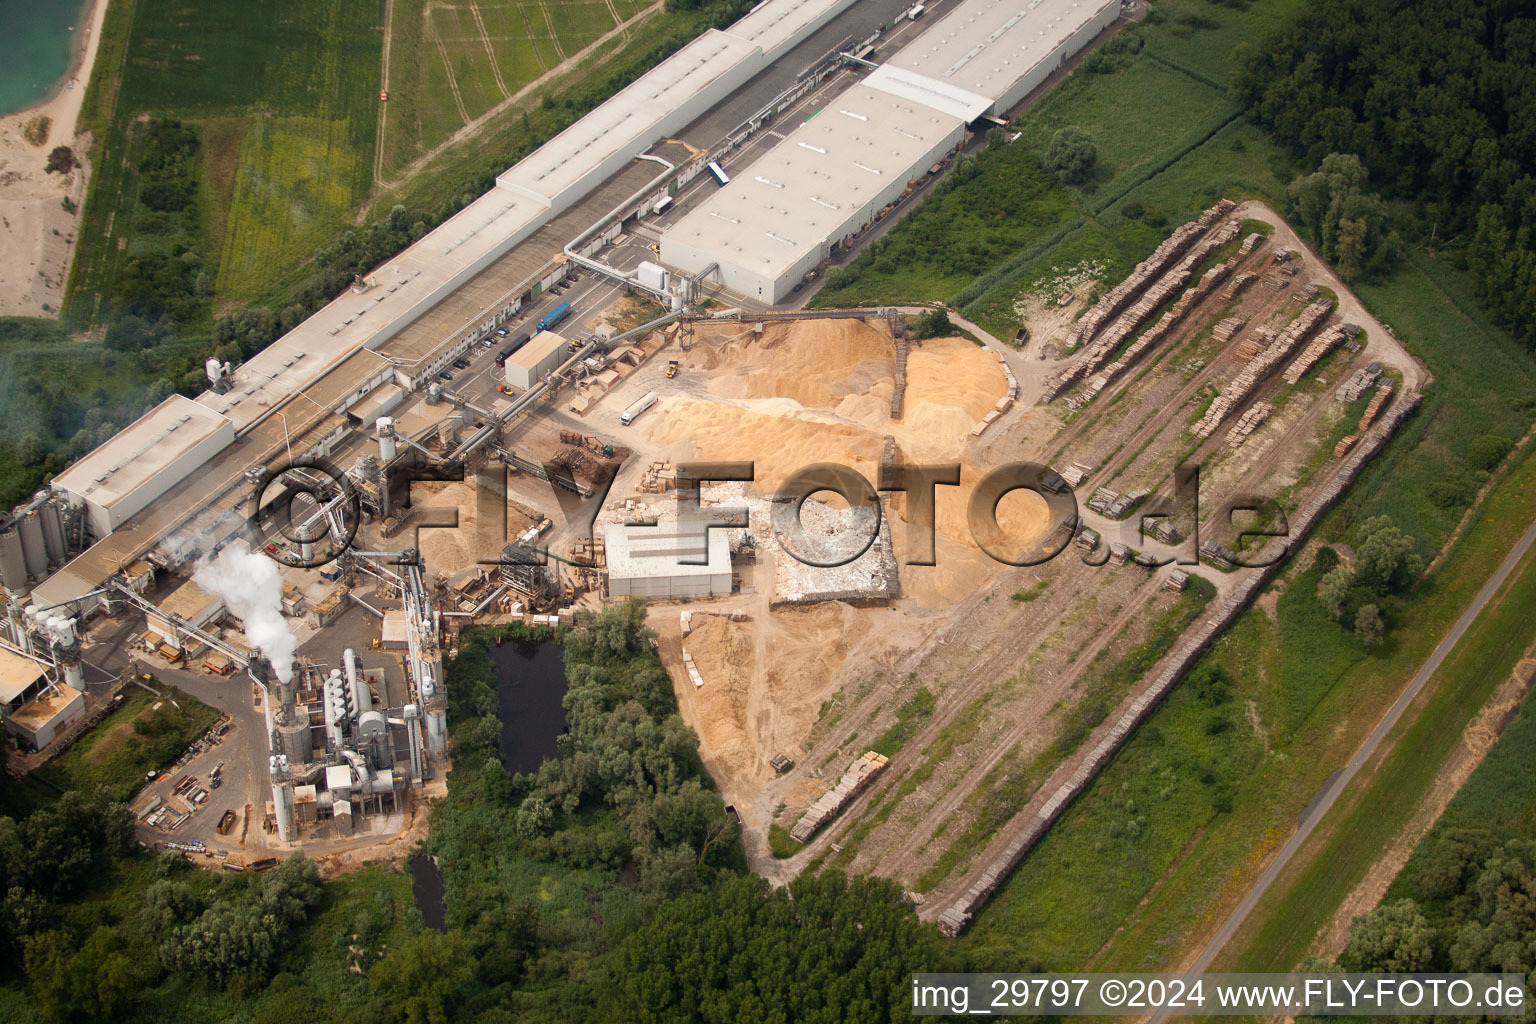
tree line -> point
(1436, 101)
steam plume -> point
(252, 589)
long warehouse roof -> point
(986, 46)
(627, 123)
(413, 282)
(776, 23)
(145, 447)
(791, 199)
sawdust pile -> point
(722, 652)
(817, 363)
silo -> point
(53, 532)
(13, 563)
(32, 547)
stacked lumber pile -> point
(1243, 385)
(1248, 422)
(858, 776)
(1313, 353)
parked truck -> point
(634, 411)
(554, 316)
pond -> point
(427, 887)
(530, 687)
(40, 37)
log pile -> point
(1243, 385)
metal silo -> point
(32, 547)
(53, 532)
(13, 563)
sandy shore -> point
(36, 233)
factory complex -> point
(277, 526)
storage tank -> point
(32, 547)
(362, 699)
(13, 563)
(386, 432)
(53, 532)
(282, 809)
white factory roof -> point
(794, 197)
(356, 321)
(931, 92)
(985, 46)
(650, 552)
(627, 122)
(536, 350)
(773, 23)
(135, 454)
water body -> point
(38, 48)
(530, 685)
(427, 887)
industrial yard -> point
(491, 428)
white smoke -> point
(252, 589)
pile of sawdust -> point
(722, 652)
(777, 435)
(816, 363)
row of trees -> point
(1434, 98)
(1475, 911)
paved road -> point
(1336, 786)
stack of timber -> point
(1243, 385)
(854, 781)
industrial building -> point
(36, 709)
(781, 216)
(310, 378)
(829, 178)
(647, 562)
(535, 360)
(118, 479)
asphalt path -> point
(1330, 793)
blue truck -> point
(554, 316)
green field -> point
(1280, 931)
(284, 104)
(449, 64)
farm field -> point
(449, 63)
(283, 110)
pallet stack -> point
(658, 478)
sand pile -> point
(722, 652)
(776, 434)
(817, 363)
(806, 649)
